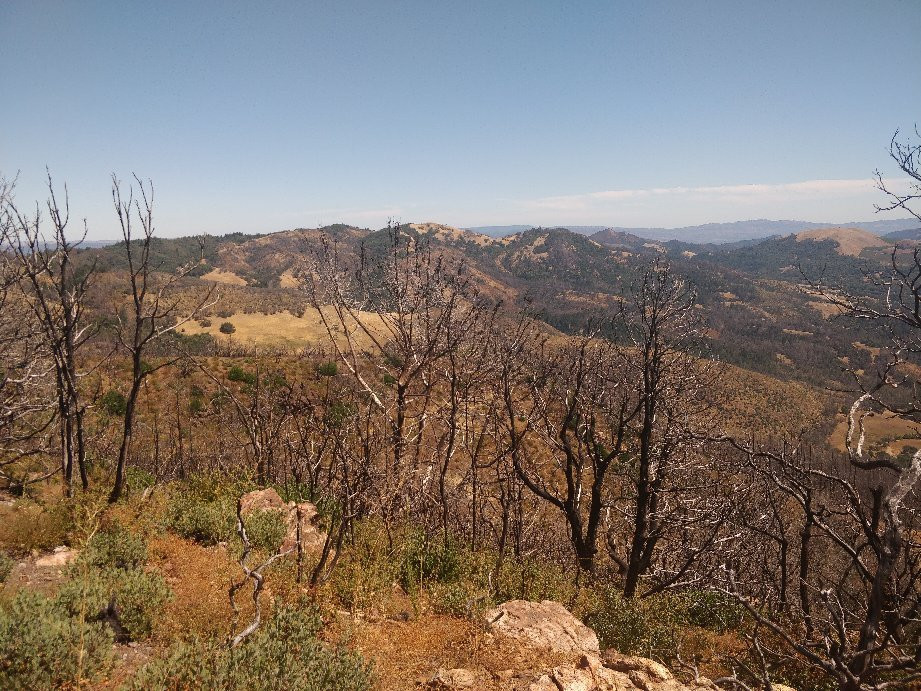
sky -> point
(256, 117)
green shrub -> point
(6, 566)
(136, 597)
(207, 522)
(137, 480)
(113, 403)
(427, 560)
(266, 530)
(327, 369)
(237, 373)
(367, 569)
(39, 645)
(650, 627)
(196, 405)
(338, 412)
(115, 548)
(109, 575)
(139, 595)
(285, 652)
(227, 328)
(713, 610)
(205, 508)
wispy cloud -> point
(807, 200)
(750, 193)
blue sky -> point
(256, 117)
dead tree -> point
(394, 319)
(256, 575)
(858, 615)
(611, 430)
(55, 290)
(154, 310)
(26, 400)
(907, 156)
(668, 480)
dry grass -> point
(405, 651)
(881, 426)
(851, 241)
(826, 309)
(222, 276)
(282, 329)
(199, 578)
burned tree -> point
(26, 400)
(398, 324)
(608, 438)
(55, 287)
(854, 521)
(154, 310)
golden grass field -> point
(283, 329)
(899, 432)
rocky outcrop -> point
(312, 534)
(551, 627)
(546, 624)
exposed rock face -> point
(312, 535)
(544, 624)
(551, 626)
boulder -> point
(550, 626)
(546, 624)
(61, 556)
(312, 535)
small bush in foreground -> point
(41, 647)
(227, 328)
(133, 598)
(285, 653)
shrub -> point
(135, 596)
(113, 403)
(237, 373)
(204, 323)
(39, 645)
(639, 626)
(6, 566)
(426, 560)
(137, 480)
(284, 652)
(115, 548)
(205, 510)
(108, 578)
(34, 526)
(366, 571)
(714, 610)
(266, 530)
(338, 412)
(207, 522)
(327, 369)
(227, 328)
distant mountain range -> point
(719, 233)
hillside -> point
(751, 294)
(849, 241)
